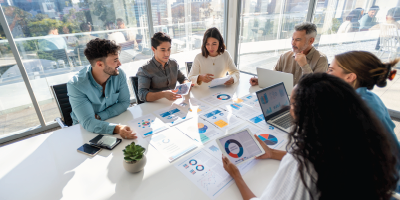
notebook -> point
(105, 141)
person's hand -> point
(229, 82)
(171, 96)
(300, 58)
(206, 77)
(268, 151)
(230, 168)
(125, 132)
(254, 81)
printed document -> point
(147, 125)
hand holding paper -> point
(220, 81)
(183, 89)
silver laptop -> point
(275, 105)
(267, 77)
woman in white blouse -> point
(213, 61)
(338, 149)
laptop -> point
(267, 77)
(275, 106)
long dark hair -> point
(337, 135)
(354, 15)
(214, 33)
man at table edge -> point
(99, 91)
(159, 75)
(303, 58)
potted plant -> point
(134, 158)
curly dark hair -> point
(337, 134)
(98, 49)
(214, 33)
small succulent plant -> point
(133, 152)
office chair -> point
(60, 94)
(135, 85)
(188, 67)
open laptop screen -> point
(273, 100)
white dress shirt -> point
(218, 66)
(287, 184)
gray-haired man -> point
(303, 58)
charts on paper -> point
(199, 130)
(148, 125)
(218, 98)
(172, 144)
(173, 114)
(240, 109)
(221, 119)
(207, 172)
(193, 105)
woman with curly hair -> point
(337, 150)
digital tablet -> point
(240, 146)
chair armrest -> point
(61, 123)
(395, 195)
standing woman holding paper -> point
(213, 61)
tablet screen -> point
(240, 147)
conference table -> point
(48, 166)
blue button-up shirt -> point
(87, 99)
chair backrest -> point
(135, 85)
(188, 67)
(389, 35)
(61, 95)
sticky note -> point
(238, 100)
(221, 123)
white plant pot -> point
(135, 166)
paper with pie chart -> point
(173, 115)
(147, 125)
(240, 147)
(218, 98)
(207, 172)
(172, 144)
(272, 137)
(199, 130)
(221, 119)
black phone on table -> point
(89, 150)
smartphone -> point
(89, 150)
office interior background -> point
(256, 32)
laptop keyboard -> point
(285, 121)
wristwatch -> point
(97, 117)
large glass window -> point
(16, 110)
(266, 28)
(361, 25)
(185, 21)
(51, 36)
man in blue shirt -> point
(52, 41)
(100, 91)
(369, 20)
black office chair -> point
(188, 67)
(61, 95)
(135, 85)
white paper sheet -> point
(219, 81)
(239, 109)
(193, 105)
(221, 119)
(147, 125)
(272, 137)
(218, 98)
(250, 100)
(199, 130)
(182, 89)
(172, 144)
(258, 120)
(208, 173)
(173, 115)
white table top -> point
(48, 166)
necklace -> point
(213, 59)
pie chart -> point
(239, 154)
(268, 139)
(202, 128)
(223, 97)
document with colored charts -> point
(172, 144)
(272, 137)
(218, 98)
(258, 120)
(221, 119)
(199, 130)
(238, 108)
(208, 173)
(193, 105)
(147, 125)
(173, 115)
(182, 89)
(250, 100)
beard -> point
(110, 71)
